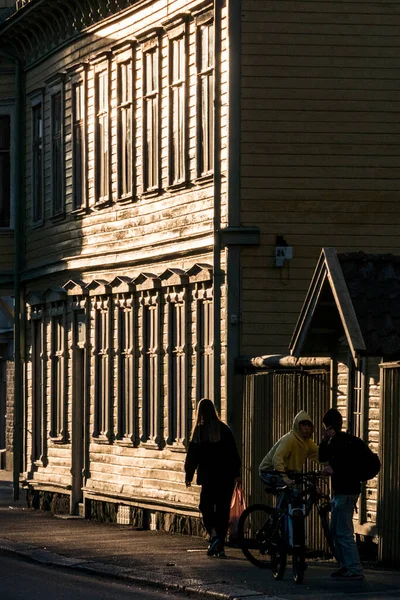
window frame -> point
(176, 351)
(37, 191)
(79, 78)
(205, 168)
(8, 111)
(151, 43)
(125, 55)
(56, 88)
(58, 370)
(177, 31)
(102, 66)
(102, 369)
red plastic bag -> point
(238, 505)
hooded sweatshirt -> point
(291, 451)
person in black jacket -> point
(212, 451)
(336, 448)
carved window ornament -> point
(174, 281)
(36, 371)
(37, 157)
(125, 350)
(151, 109)
(149, 334)
(77, 92)
(101, 303)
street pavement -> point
(176, 563)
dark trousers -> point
(215, 504)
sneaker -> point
(213, 547)
(220, 554)
(349, 576)
(339, 573)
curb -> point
(219, 590)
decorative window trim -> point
(125, 319)
(9, 111)
(150, 41)
(204, 168)
(57, 86)
(177, 367)
(102, 64)
(58, 373)
(149, 351)
(78, 76)
(177, 29)
(37, 196)
(102, 368)
(125, 53)
(36, 316)
(204, 347)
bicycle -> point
(267, 535)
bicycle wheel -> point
(256, 525)
(298, 557)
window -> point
(205, 336)
(57, 159)
(150, 361)
(5, 175)
(205, 84)
(357, 397)
(125, 370)
(78, 145)
(38, 385)
(176, 353)
(151, 118)
(37, 161)
(102, 136)
(177, 106)
(57, 377)
(125, 124)
(101, 368)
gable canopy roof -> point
(352, 294)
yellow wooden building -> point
(180, 165)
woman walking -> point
(212, 451)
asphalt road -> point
(21, 580)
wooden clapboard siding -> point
(319, 146)
(6, 251)
(138, 224)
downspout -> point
(18, 186)
(217, 205)
(232, 252)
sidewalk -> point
(173, 562)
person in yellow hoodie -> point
(290, 452)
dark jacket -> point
(339, 452)
(216, 462)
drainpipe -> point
(18, 186)
(217, 205)
(232, 252)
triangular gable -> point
(328, 272)
(173, 276)
(147, 281)
(98, 287)
(75, 287)
(122, 284)
(200, 272)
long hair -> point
(206, 426)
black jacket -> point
(341, 455)
(216, 462)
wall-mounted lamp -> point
(282, 251)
